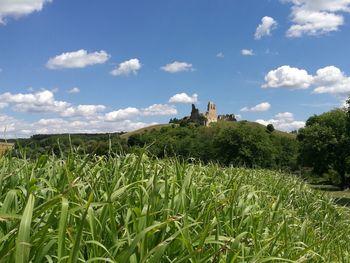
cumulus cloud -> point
(77, 59)
(19, 8)
(177, 67)
(122, 114)
(3, 105)
(184, 98)
(284, 121)
(45, 102)
(264, 106)
(127, 67)
(247, 52)
(74, 90)
(131, 112)
(264, 29)
(288, 77)
(316, 17)
(13, 128)
(42, 101)
(83, 110)
(160, 110)
(67, 118)
(10, 127)
(329, 79)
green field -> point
(136, 209)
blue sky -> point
(105, 66)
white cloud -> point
(264, 29)
(160, 110)
(13, 128)
(122, 114)
(127, 67)
(77, 59)
(3, 105)
(331, 80)
(42, 101)
(316, 17)
(83, 110)
(184, 98)
(72, 118)
(8, 125)
(288, 77)
(327, 80)
(74, 90)
(177, 67)
(45, 102)
(19, 8)
(131, 112)
(264, 106)
(247, 52)
(283, 121)
(220, 55)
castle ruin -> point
(210, 116)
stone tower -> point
(211, 114)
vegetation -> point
(99, 144)
(5, 147)
(325, 146)
(228, 143)
(135, 209)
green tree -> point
(324, 145)
(270, 128)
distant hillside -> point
(144, 130)
(240, 143)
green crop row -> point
(136, 209)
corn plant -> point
(133, 208)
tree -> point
(270, 128)
(324, 145)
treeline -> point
(61, 144)
(228, 143)
(321, 149)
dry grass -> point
(4, 147)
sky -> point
(112, 65)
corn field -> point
(136, 209)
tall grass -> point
(134, 209)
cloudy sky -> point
(113, 65)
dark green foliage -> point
(270, 128)
(58, 144)
(228, 143)
(324, 146)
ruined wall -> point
(196, 116)
(227, 117)
(211, 114)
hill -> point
(143, 130)
(137, 209)
(241, 143)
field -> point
(5, 147)
(136, 209)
